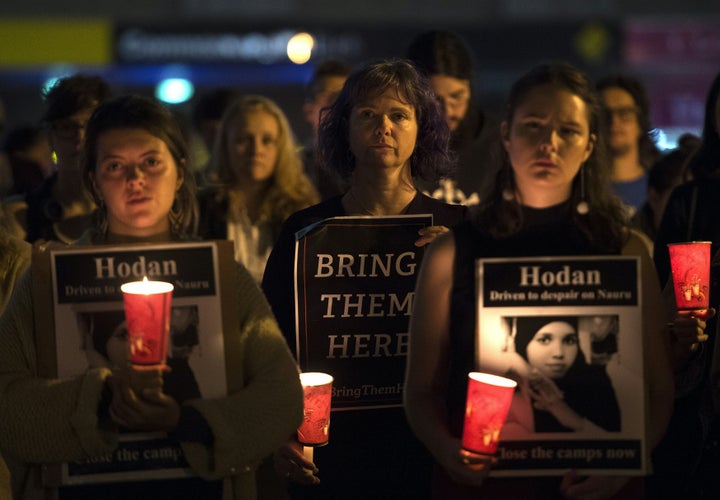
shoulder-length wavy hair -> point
(431, 158)
(604, 224)
(705, 163)
(140, 112)
(290, 189)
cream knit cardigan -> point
(50, 421)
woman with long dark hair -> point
(552, 199)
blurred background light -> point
(299, 48)
(174, 90)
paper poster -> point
(568, 330)
(355, 282)
(88, 330)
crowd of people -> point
(569, 170)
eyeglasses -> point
(624, 114)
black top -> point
(371, 453)
(548, 232)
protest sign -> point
(81, 324)
(355, 281)
(569, 330)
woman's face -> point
(252, 143)
(136, 177)
(547, 142)
(553, 349)
(383, 131)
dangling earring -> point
(175, 218)
(101, 216)
(582, 206)
(508, 193)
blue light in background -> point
(667, 138)
(662, 141)
(174, 90)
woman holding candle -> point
(552, 198)
(384, 129)
(686, 461)
(136, 166)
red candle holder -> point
(315, 428)
(690, 265)
(486, 408)
(147, 314)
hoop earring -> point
(582, 206)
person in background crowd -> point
(384, 130)
(261, 181)
(206, 118)
(28, 152)
(448, 62)
(552, 139)
(665, 175)
(61, 209)
(320, 92)
(687, 460)
(632, 148)
(136, 165)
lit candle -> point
(315, 428)
(147, 314)
(488, 401)
(690, 266)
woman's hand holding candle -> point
(462, 466)
(687, 334)
(138, 402)
(292, 465)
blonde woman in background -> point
(261, 181)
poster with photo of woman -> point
(567, 330)
(84, 316)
